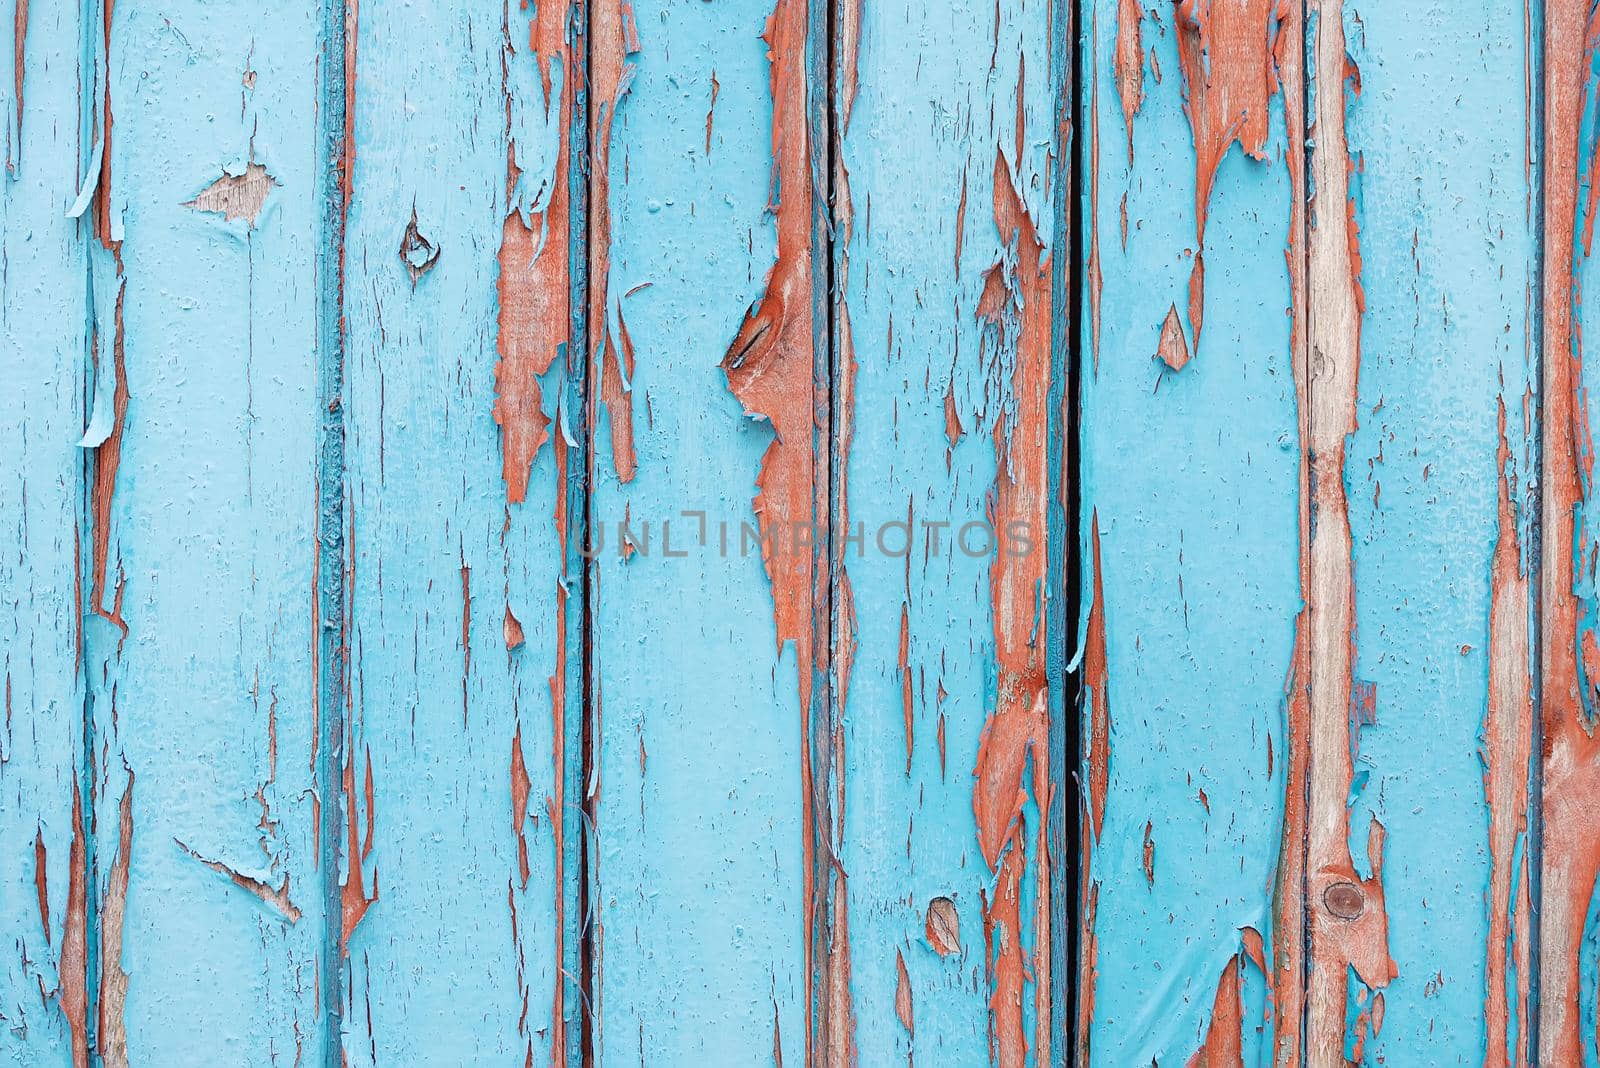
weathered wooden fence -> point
(799, 531)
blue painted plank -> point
(1192, 578)
(458, 941)
(1440, 393)
(199, 534)
(701, 690)
(44, 347)
(946, 314)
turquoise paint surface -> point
(921, 153)
(1193, 477)
(697, 879)
(455, 962)
(1449, 257)
(222, 709)
(201, 707)
(43, 342)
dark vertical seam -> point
(95, 56)
(580, 492)
(1066, 548)
(331, 622)
(823, 116)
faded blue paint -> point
(919, 252)
(1193, 477)
(1449, 255)
(43, 379)
(456, 958)
(697, 881)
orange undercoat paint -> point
(532, 323)
(107, 461)
(1095, 682)
(353, 899)
(41, 874)
(1017, 307)
(521, 785)
(103, 228)
(19, 56)
(1224, 1042)
(1223, 55)
(1129, 65)
(1006, 966)
(613, 39)
(535, 282)
(1571, 752)
(1096, 677)
(903, 1009)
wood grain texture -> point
(822, 532)
(1570, 759)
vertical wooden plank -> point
(1192, 407)
(946, 310)
(204, 917)
(1569, 910)
(1421, 279)
(44, 348)
(711, 925)
(454, 822)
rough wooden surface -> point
(815, 531)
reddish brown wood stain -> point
(19, 56)
(1223, 1046)
(1096, 679)
(1571, 754)
(613, 40)
(107, 462)
(1227, 76)
(111, 1038)
(1286, 963)
(535, 273)
(74, 967)
(1129, 65)
(353, 899)
(1017, 304)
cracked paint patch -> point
(274, 897)
(236, 196)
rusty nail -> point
(1345, 900)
